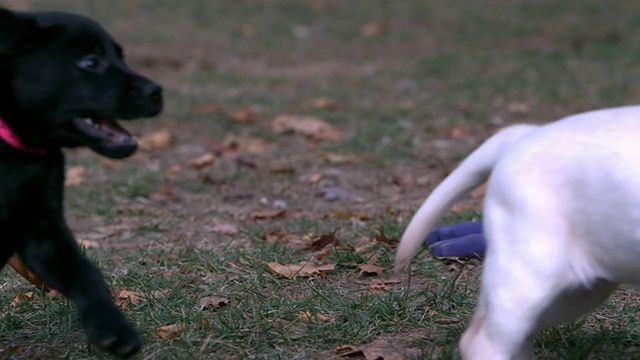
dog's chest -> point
(29, 189)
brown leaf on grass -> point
(243, 116)
(285, 237)
(88, 244)
(519, 108)
(169, 331)
(126, 297)
(74, 176)
(348, 215)
(382, 237)
(447, 321)
(172, 171)
(202, 161)
(325, 104)
(374, 28)
(157, 140)
(311, 127)
(323, 241)
(165, 195)
(377, 350)
(159, 294)
(235, 144)
(395, 212)
(314, 178)
(24, 297)
(134, 297)
(369, 269)
(302, 269)
(308, 316)
(268, 214)
(378, 285)
(460, 133)
(108, 164)
(213, 302)
(337, 158)
(282, 168)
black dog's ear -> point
(20, 31)
(13, 28)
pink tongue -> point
(111, 127)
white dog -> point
(561, 220)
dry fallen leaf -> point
(283, 236)
(302, 269)
(308, 316)
(382, 237)
(348, 215)
(311, 127)
(378, 285)
(169, 331)
(213, 302)
(202, 161)
(235, 144)
(325, 104)
(461, 133)
(323, 241)
(172, 171)
(369, 269)
(282, 168)
(134, 297)
(164, 195)
(244, 116)
(377, 350)
(157, 140)
(23, 297)
(337, 158)
(268, 214)
(88, 244)
(518, 107)
(74, 176)
(374, 28)
(108, 164)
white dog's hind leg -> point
(529, 281)
(508, 334)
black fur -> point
(63, 82)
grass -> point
(406, 75)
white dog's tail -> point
(472, 172)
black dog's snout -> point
(152, 91)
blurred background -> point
(291, 117)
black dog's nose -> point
(152, 91)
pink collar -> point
(12, 139)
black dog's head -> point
(64, 82)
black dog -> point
(63, 82)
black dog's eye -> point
(90, 62)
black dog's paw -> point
(112, 332)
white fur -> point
(561, 221)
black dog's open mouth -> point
(106, 136)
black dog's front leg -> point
(58, 260)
